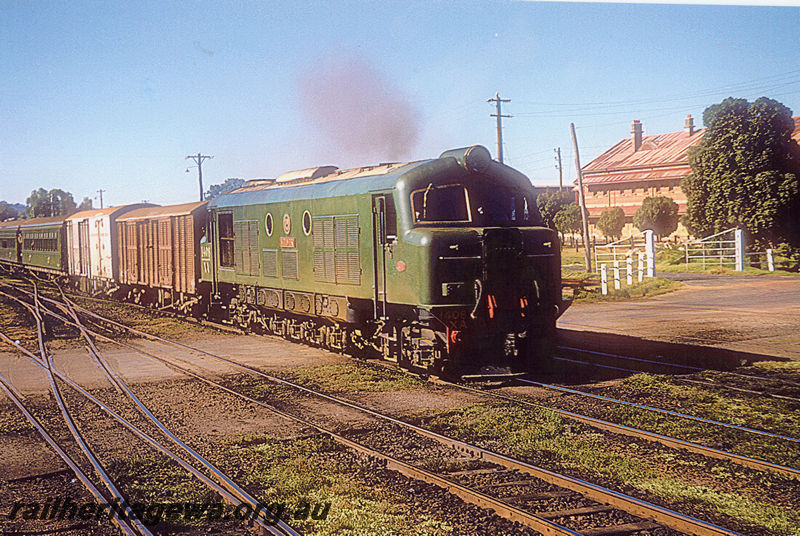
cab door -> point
(379, 244)
(384, 234)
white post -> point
(738, 235)
(603, 279)
(686, 247)
(770, 261)
(640, 271)
(650, 248)
(629, 270)
(616, 275)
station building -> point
(638, 167)
(643, 166)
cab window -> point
(446, 203)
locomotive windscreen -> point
(448, 203)
(481, 205)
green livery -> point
(38, 243)
(427, 262)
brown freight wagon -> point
(159, 253)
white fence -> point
(722, 249)
(621, 255)
(725, 249)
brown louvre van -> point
(159, 247)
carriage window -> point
(226, 246)
(448, 203)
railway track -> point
(514, 475)
(671, 413)
(219, 482)
(127, 523)
(672, 442)
(585, 356)
(631, 431)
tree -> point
(745, 173)
(216, 190)
(7, 212)
(86, 204)
(568, 220)
(551, 203)
(611, 222)
(658, 213)
(42, 203)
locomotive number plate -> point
(454, 318)
(287, 242)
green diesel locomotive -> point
(442, 265)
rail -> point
(230, 491)
(630, 504)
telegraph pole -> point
(582, 199)
(499, 115)
(198, 159)
(558, 167)
(100, 191)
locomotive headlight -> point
(475, 159)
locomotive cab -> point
(486, 272)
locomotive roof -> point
(338, 183)
(159, 212)
(108, 211)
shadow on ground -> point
(575, 348)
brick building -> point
(643, 166)
(638, 167)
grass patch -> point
(546, 437)
(143, 319)
(353, 377)
(778, 416)
(303, 470)
(774, 518)
(649, 287)
(152, 481)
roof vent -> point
(305, 174)
(257, 182)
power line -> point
(740, 86)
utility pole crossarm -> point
(198, 159)
(499, 115)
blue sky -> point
(114, 95)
